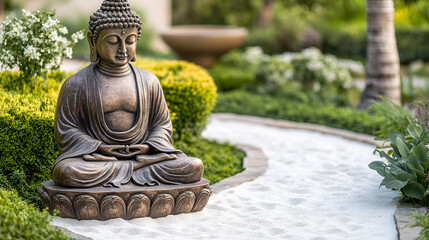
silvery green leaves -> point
(406, 164)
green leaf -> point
(394, 135)
(415, 130)
(385, 155)
(394, 169)
(421, 153)
(414, 190)
(392, 183)
(402, 147)
(406, 177)
(378, 166)
(415, 165)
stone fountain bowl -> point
(203, 44)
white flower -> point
(254, 55)
(25, 13)
(69, 52)
(63, 30)
(287, 57)
(31, 52)
(77, 36)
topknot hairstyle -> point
(113, 14)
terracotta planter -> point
(203, 44)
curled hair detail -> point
(113, 14)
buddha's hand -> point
(99, 157)
(144, 160)
(124, 151)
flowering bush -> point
(315, 70)
(273, 74)
(35, 43)
(309, 68)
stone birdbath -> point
(203, 44)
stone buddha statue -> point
(112, 123)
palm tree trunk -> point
(266, 14)
(382, 69)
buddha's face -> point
(117, 46)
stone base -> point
(128, 202)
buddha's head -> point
(113, 33)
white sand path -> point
(316, 187)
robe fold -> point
(80, 128)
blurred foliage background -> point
(337, 27)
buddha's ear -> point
(93, 49)
(134, 58)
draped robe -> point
(80, 128)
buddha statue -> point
(112, 123)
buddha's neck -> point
(114, 71)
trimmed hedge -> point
(12, 82)
(18, 220)
(27, 135)
(190, 93)
(323, 113)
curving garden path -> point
(317, 186)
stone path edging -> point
(255, 164)
(403, 212)
(402, 220)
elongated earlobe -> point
(133, 59)
(93, 49)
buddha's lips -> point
(122, 57)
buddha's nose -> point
(122, 48)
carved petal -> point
(202, 200)
(162, 206)
(46, 200)
(86, 208)
(138, 206)
(112, 206)
(63, 204)
(184, 202)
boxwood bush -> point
(26, 131)
(18, 220)
(189, 90)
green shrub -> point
(344, 43)
(190, 93)
(422, 220)
(273, 74)
(229, 78)
(22, 221)
(26, 129)
(395, 117)
(407, 164)
(300, 109)
(16, 181)
(35, 43)
(220, 160)
(12, 82)
(411, 43)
